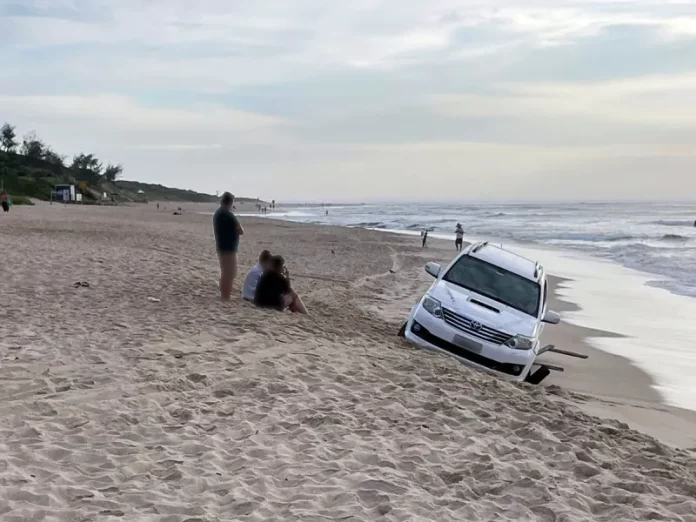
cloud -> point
(218, 45)
(121, 111)
(308, 31)
(359, 97)
(176, 146)
(113, 125)
(662, 101)
(461, 171)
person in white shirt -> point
(459, 237)
(253, 276)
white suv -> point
(487, 308)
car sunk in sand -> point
(487, 308)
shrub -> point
(20, 200)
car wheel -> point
(535, 378)
(402, 330)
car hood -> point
(508, 320)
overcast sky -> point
(366, 99)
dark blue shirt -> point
(225, 225)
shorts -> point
(227, 244)
(458, 241)
(228, 264)
(231, 247)
(5, 206)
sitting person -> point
(273, 290)
(252, 278)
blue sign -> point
(62, 192)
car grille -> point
(511, 369)
(467, 325)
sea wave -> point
(674, 237)
(370, 224)
(672, 223)
(633, 235)
(584, 237)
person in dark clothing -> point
(424, 236)
(3, 201)
(227, 231)
(273, 290)
(459, 237)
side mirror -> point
(433, 269)
(552, 317)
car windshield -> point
(496, 283)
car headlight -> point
(520, 342)
(432, 306)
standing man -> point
(227, 231)
(459, 237)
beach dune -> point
(114, 406)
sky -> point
(313, 100)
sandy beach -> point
(142, 397)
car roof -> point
(498, 256)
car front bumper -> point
(429, 332)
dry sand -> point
(113, 407)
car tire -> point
(535, 378)
(402, 330)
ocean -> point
(656, 238)
(631, 266)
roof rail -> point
(478, 246)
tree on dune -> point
(53, 157)
(87, 162)
(32, 147)
(7, 138)
(89, 168)
(113, 172)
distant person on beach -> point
(459, 237)
(227, 231)
(252, 278)
(274, 291)
(3, 202)
(424, 235)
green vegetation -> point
(162, 193)
(20, 200)
(31, 169)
